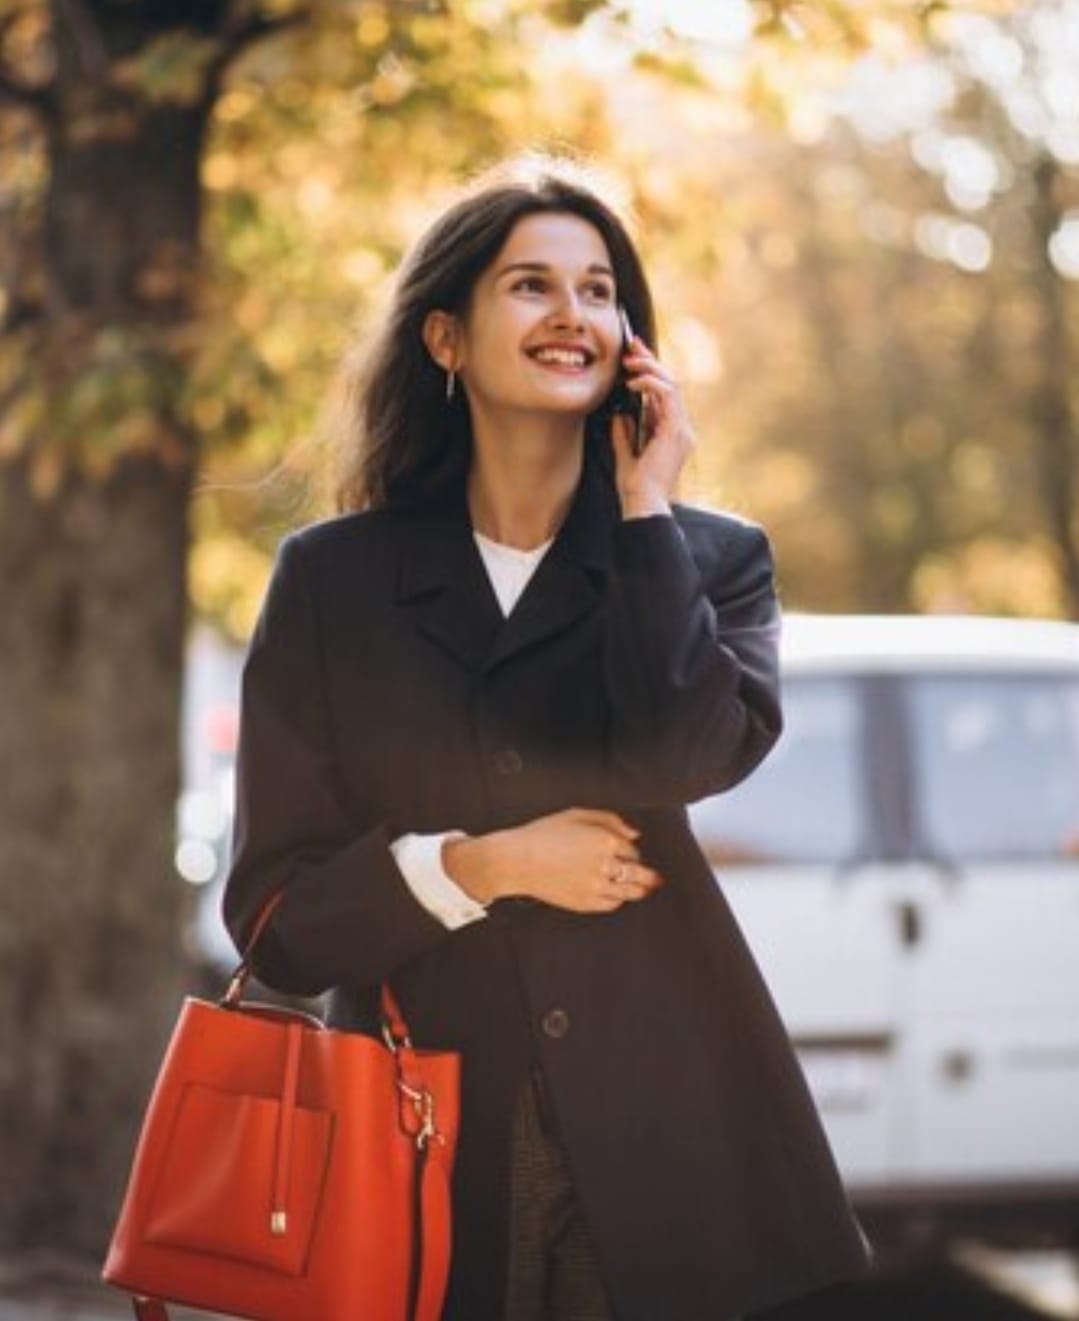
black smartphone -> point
(624, 400)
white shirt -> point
(419, 857)
(509, 568)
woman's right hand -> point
(585, 860)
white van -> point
(905, 866)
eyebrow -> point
(596, 268)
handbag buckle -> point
(423, 1104)
(235, 988)
(395, 1043)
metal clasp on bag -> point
(423, 1103)
(422, 1099)
(235, 988)
(393, 1042)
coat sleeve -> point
(690, 657)
(347, 916)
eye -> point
(599, 291)
(532, 284)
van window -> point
(804, 803)
(997, 765)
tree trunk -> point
(93, 546)
(90, 643)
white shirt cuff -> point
(419, 860)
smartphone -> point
(624, 400)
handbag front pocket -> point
(215, 1190)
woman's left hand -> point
(646, 481)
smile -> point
(554, 356)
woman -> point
(474, 710)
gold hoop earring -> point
(451, 384)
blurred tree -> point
(893, 310)
(1000, 156)
(990, 224)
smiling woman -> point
(474, 710)
(539, 339)
(494, 266)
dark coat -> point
(384, 692)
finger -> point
(636, 363)
(635, 873)
(598, 816)
(640, 883)
(639, 348)
(634, 893)
(604, 899)
(621, 855)
(622, 871)
(629, 892)
(664, 409)
(650, 383)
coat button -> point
(555, 1023)
(508, 761)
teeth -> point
(565, 357)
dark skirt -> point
(553, 1273)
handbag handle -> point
(242, 974)
(394, 1027)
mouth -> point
(574, 357)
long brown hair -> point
(405, 445)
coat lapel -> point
(444, 581)
(568, 584)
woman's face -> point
(541, 332)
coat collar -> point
(443, 580)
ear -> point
(442, 337)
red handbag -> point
(289, 1172)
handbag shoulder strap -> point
(435, 1237)
(432, 1209)
(149, 1309)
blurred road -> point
(88, 1304)
(70, 1304)
(976, 1285)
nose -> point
(567, 312)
